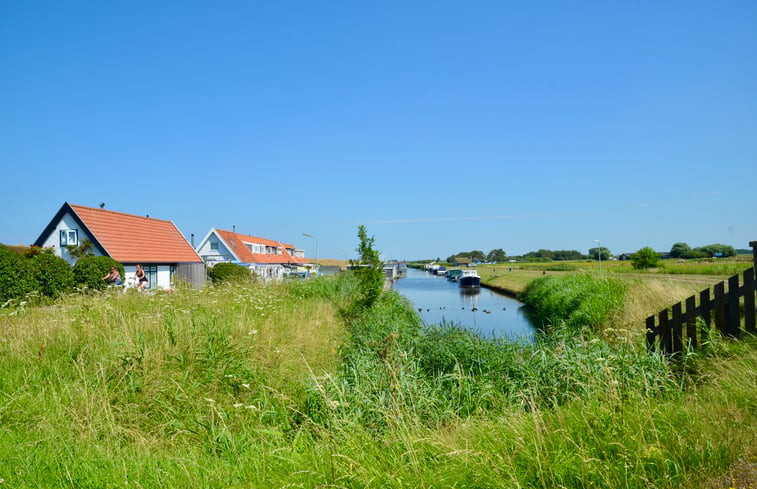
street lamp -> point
(599, 253)
(316, 250)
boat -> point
(453, 274)
(441, 271)
(469, 279)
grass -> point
(287, 385)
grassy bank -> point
(289, 386)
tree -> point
(596, 253)
(646, 258)
(719, 250)
(496, 255)
(369, 269)
(680, 250)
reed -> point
(288, 385)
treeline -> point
(38, 270)
(682, 250)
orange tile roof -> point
(237, 243)
(135, 239)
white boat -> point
(469, 279)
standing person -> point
(141, 278)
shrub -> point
(646, 258)
(229, 273)
(16, 277)
(90, 270)
(53, 274)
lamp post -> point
(316, 250)
(599, 253)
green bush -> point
(90, 270)
(53, 274)
(16, 277)
(229, 273)
(646, 258)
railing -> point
(672, 331)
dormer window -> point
(69, 237)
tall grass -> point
(288, 385)
(580, 301)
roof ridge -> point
(119, 212)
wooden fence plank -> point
(733, 326)
(705, 306)
(749, 322)
(720, 310)
(666, 339)
(691, 322)
(676, 328)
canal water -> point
(438, 300)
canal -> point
(438, 300)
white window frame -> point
(69, 237)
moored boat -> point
(469, 279)
(454, 274)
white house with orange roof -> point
(264, 257)
(156, 244)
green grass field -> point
(286, 385)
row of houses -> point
(162, 250)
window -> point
(69, 237)
(151, 272)
(213, 246)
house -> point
(156, 244)
(264, 257)
(461, 261)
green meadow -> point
(294, 385)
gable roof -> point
(128, 238)
(237, 244)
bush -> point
(16, 277)
(53, 274)
(646, 258)
(90, 270)
(229, 273)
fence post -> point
(749, 323)
(753, 244)
(734, 317)
(691, 322)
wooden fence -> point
(670, 331)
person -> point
(113, 277)
(141, 278)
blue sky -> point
(441, 126)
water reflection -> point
(437, 300)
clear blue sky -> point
(441, 126)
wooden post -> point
(676, 328)
(691, 322)
(666, 339)
(720, 310)
(753, 244)
(651, 333)
(749, 323)
(733, 328)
